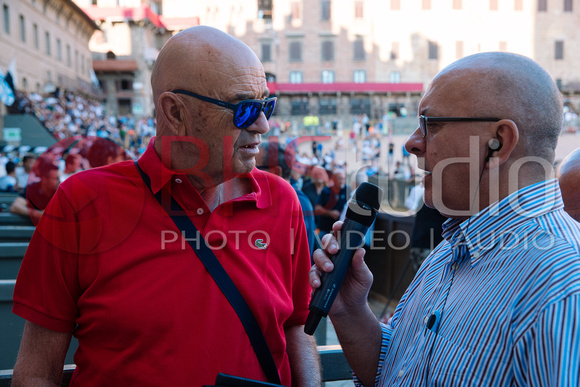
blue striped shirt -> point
(506, 286)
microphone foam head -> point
(364, 205)
(369, 195)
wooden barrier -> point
(11, 254)
(10, 219)
(16, 233)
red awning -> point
(140, 13)
(344, 87)
(115, 65)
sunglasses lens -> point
(269, 108)
(247, 114)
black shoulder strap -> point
(226, 285)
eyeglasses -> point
(424, 121)
(246, 112)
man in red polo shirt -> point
(108, 265)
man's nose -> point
(416, 143)
(261, 125)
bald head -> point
(186, 59)
(515, 87)
(569, 178)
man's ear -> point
(508, 135)
(172, 111)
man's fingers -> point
(314, 277)
(321, 261)
(337, 226)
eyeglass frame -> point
(424, 121)
(231, 106)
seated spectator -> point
(36, 196)
(72, 164)
(104, 152)
(568, 175)
(313, 188)
(23, 171)
(331, 203)
(8, 182)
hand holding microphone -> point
(361, 213)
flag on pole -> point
(12, 75)
(6, 90)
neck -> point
(213, 196)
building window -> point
(327, 51)
(567, 5)
(426, 5)
(68, 60)
(458, 49)
(395, 77)
(327, 106)
(359, 76)
(295, 51)
(47, 42)
(264, 9)
(83, 64)
(358, 9)
(125, 84)
(503, 45)
(266, 52)
(58, 50)
(295, 10)
(295, 76)
(327, 76)
(299, 106)
(519, 5)
(559, 54)
(395, 5)
(394, 50)
(359, 49)
(457, 4)
(542, 5)
(360, 106)
(22, 29)
(6, 14)
(325, 12)
(493, 5)
(433, 50)
(35, 33)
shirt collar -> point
(484, 230)
(151, 164)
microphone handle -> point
(351, 238)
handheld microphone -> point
(360, 215)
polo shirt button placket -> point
(178, 181)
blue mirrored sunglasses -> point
(246, 112)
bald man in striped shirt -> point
(497, 303)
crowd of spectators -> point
(66, 114)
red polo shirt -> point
(109, 265)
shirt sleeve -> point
(386, 330)
(548, 354)
(47, 286)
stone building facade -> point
(48, 42)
